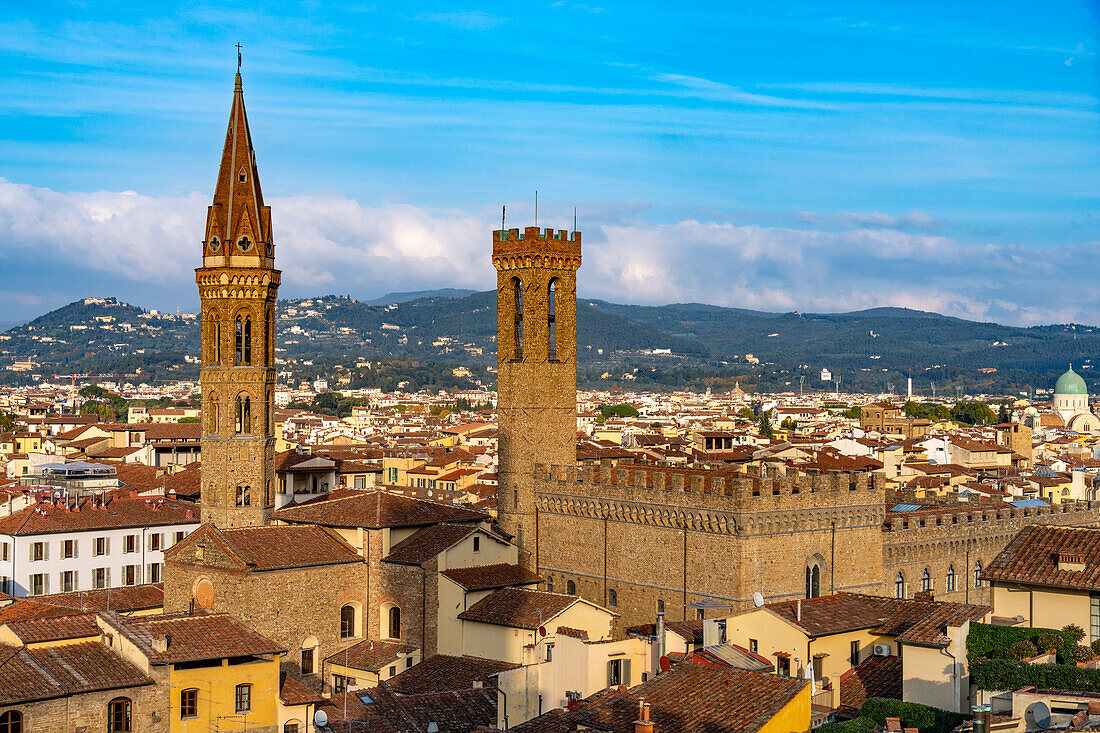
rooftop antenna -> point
(574, 218)
(536, 209)
(503, 210)
(238, 57)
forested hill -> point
(669, 346)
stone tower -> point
(238, 286)
(536, 368)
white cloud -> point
(332, 244)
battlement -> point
(536, 242)
(967, 514)
(765, 487)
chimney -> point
(643, 723)
(660, 634)
(133, 493)
(982, 715)
(798, 610)
(160, 643)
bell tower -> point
(238, 287)
(536, 368)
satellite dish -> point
(665, 663)
(429, 493)
(1039, 714)
(758, 599)
(542, 631)
(320, 718)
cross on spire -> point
(238, 57)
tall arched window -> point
(238, 342)
(244, 415)
(813, 581)
(551, 320)
(217, 342)
(11, 722)
(571, 588)
(248, 339)
(978, 574)
(119, 715)
(517, 329)
(347, 622)
(899, 586)
(926, 580)
(612, 598)
(395, 622)
(950, 586)
(244, 496)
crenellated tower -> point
(536, 368)
(238, 287)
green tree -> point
(1003, 415)
(927, 410)
(746, 413)
(92, 392)
(972, 413)
(7, 422)
(766, 426)
(188, 420)
(620, 410)
(789, 423)
(852, 413)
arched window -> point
(244, 415)
(238, 342)
(11, 722)
(395, 622)
(244, 495)
(119, 715)
(813, 581)
(950, 586)
(347, 622)
(549, 585)
(978, 574)
(899, 586)
(517, 330)
(926, 580)
(551, 320)
(571, 588)
(248, 339)
(291, 726)
(612, 598)
(700, 614)
(217, 342)
(660, 605)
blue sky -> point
(781, 155)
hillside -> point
(421, 341)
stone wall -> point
(88, 711)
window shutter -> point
(106, 545)
(30, 552)
(626, 672)
(610, 662)
(45, 550)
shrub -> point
(1023, 649)
(984, 640)
(1096, 647)
(1081, 653)
(856, 725)
(911, 714)
(1006, 674)
(1049, 641)
(1074, 632)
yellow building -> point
(827, 636)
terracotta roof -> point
(484, 577)
(692, 697)
(120, 513)
(51, 672)
(518, 608)
(375, 509)
(874, 677)
(54, 628)
(459, 711)
(275, 547)
(127, 598)
(690, 631)
(372, 655)
(192, 638)
(1032, 557)
(443, 672)
(911, 621)
(429, 542)
(294, 692)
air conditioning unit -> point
(882, 650)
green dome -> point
(1070, 383)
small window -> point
(477, 544)
(926, 580)
(307, 661)
(853, 654)
(38, 551)
(100, 578)
(950, 585)
(38, 584)
(189, 703)
(549, 652)
(68, 551)
(154, 572)
(119, 715)
(660, 605)
(899, 586)
(101, 546)
(754, 646)
(571, 588)
(68, 581)
(978, 574)
(155, 542)
(549, 585)
(129, 543)
(393, 670)
(395, 622)
(291, 726)
(700, 614)
(11, 722)
(244, 698)
(612, 598)
(347, 622)
(130, 575)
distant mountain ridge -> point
(677, 345)
(405, 297)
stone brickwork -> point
(238, 287)
(88, 711)
(536, 366)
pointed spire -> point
(238, 223)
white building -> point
(96, 540)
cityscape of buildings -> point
(256, 552)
